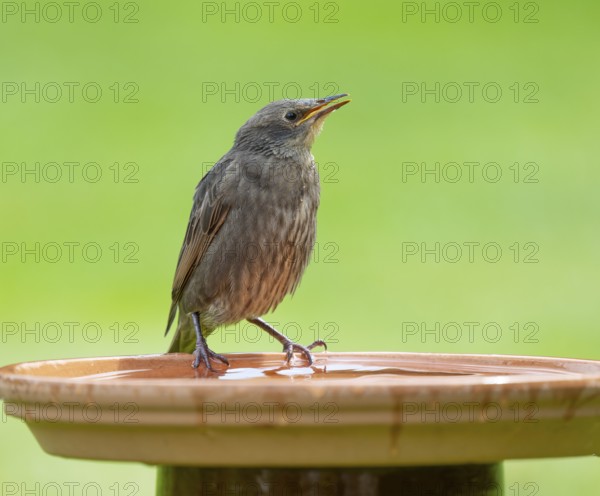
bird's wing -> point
(208, 215)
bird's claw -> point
(290, 347)
(318, 342)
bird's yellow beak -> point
(321, 109)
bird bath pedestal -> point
(351, 424)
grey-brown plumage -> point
(252, 227)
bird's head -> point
(287, 126)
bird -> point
(251, 230)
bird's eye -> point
(291, 116)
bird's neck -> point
(269, 148)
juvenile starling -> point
(252, 228)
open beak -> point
(322, 107)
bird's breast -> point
(266, 242)
(282, 182)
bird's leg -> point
(288, 346)
(202, 350)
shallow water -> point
(370, 368)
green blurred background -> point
(177, 81)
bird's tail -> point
(172, 312)
(184, 340)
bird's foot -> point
(205, 355)
(203, 352)
(289, 347)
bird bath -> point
(352, 423)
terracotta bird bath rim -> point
(347, 409)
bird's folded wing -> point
(207, 217)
